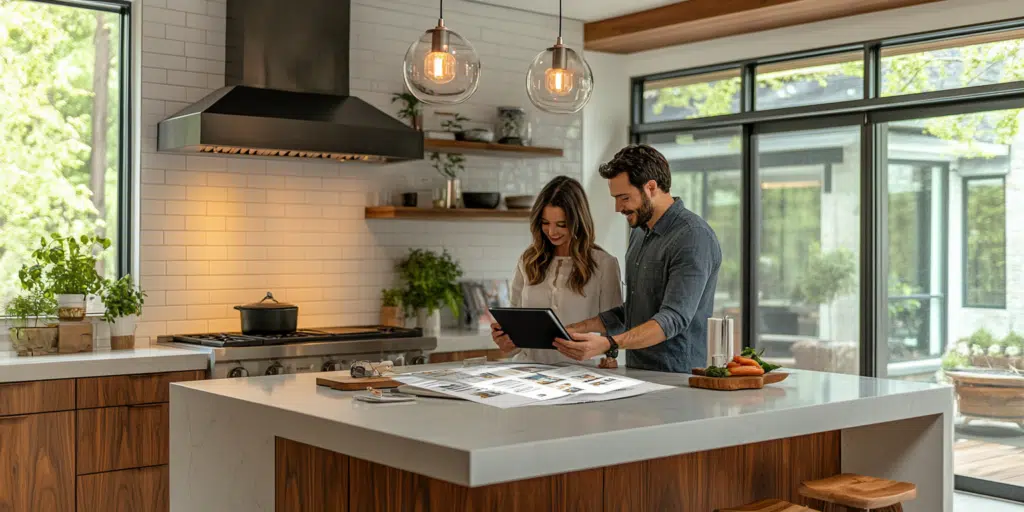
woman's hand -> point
(501, 339)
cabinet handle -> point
(19, 417)
(143, 406)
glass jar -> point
(513, 128)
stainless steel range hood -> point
(286, 72)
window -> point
(62, 149)
(687, 97)
(978, 59)
(985, 242)
(810, 81)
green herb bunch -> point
(36, 304)
(391, 298)
(455, 123)
(431, 281)
(64, 265)
(122, 298)
(449, 165)
(412, 107)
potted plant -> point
(31, 333)
(123, 302)
(431, 282)
(66, 267)
(412, 109)
(828, 276)
(450, 165)
(391, 308)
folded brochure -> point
(507, 385)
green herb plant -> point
(65, 265)
(34, 304)
(716, 371)
(750, 353)
(431, 281)
(391, 298)
(412, 108)
(122, 298)
(449, 165)
(454, 124)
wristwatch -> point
(613, 350)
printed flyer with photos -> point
(507, 385)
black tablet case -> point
(530, 327)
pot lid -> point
(268, 302)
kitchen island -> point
(282, 443)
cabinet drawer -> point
(37, 462)
(37, 396)
(146, 489)
(112, 438)
(130, 389)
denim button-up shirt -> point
(671, 275)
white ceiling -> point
(585, 10)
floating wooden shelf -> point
(489, 149)
(409, 213)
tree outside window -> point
(985, 242)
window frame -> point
(965, 197)
(126, 186)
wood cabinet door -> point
(144, 388)
(130, 490)
(37, 457)
(112, 438)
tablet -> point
(530, 327)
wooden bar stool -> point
(855, 493)
(769, 506)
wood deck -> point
(989, 461)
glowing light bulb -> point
(439, 67)
(558, 81)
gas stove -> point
(310, 350)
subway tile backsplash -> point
(222, 231)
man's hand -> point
(501, 339)
(585, 346)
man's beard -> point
(643, 214)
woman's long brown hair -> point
(567, 194)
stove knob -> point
(419, 360)
(333, 366)
(238, 371)
(275, 369)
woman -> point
(563, 269)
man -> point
(671, 273)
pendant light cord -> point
(559, 18)
(441, 13)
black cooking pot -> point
(268, 317)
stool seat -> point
(858, 491)
(769, 506)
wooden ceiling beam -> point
(701, 20)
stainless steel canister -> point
(721, 343)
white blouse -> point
(601, 293)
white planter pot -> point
(122, 332)
(429, 322)
(70, 307)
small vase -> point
(430, 322)
(453, 194)
(70, 307)
(391, 316)
(122, 332)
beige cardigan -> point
(601, 293)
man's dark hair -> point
(641, 163)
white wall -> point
(220, 231)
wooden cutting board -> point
(734, 383)
(349, 383)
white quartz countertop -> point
(472, 444)
(459, 340)
(100, 363)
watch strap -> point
(613, 349)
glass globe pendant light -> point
(559, 80)
(441, 68)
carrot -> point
(744, 370)
(732, 364)
(746, 361)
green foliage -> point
(827, 276)
(449, 165)
(65, 265)
(903, 314)
(1013, 339)
(412, 107)
(431, 281)
(986, 243)
(47, 66)
(35, 304)
(391, 298)
(982, 338)
(455, 123)
(122, 298)
(953, 360)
